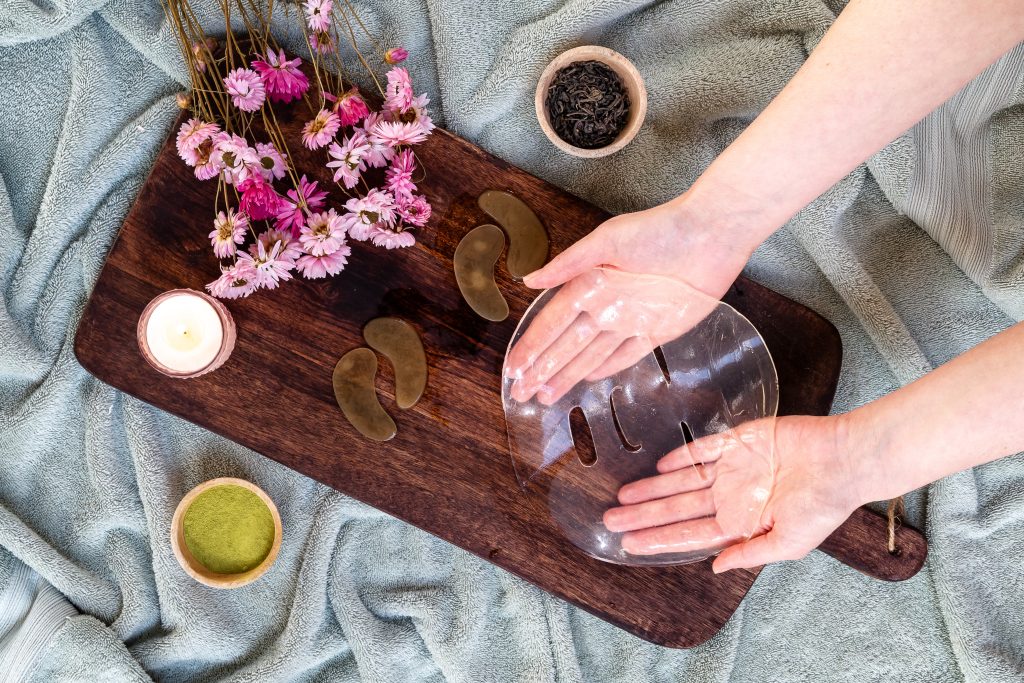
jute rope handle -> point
(896, 512)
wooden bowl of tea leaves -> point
(591, 101)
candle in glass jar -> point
(184, 333)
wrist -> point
(866, 441)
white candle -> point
(185, 333)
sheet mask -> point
(717, 384)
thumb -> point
(772, 547)
(575, 260)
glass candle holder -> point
(184, 333)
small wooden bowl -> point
(631, 79)
(193, 567)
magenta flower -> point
(235, 282)
(259, 200)
(192, 134)
(228, 232)
(318, 14)
(282, 78)
(271, 162)
(271, 270)
(392, 239)
(351, 108)
(397, 133)
(316, 267)
(246, 89)
(415, 211)
(291, 215)
(398, 94)
(396, 55)
(321, 130)
(348, 158)
(324, 233)
(399, 176)
(233, 155)
(322, 42)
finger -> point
(683, 537)
(680, 481)
(579, 367)
(573, 341)
(703, 450)
(551, 321)
(677, 508)
(575, 260)
(626, 356)
(772, 547)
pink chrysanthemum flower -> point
(271, 162)
(291, 215)
(396, 55)
(398, 94)
(321, 130)
(322, 42)
(271, 269)
(324, 233)
(397, 133)
(233, 155)
(228, 232)
(318, 14)
(365, 213)
(348, 158)
(399, 176)
(235, 282)
(281, 77)
(246, 89)
(392, 239)
(316, 267)
(259, 200)
(290, 250)
(380, 152)
(191, 135)
(206, 165)
(415, 211)
(351, 107)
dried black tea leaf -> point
(587, 104)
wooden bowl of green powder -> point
(226, 532)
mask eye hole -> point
(582, 439)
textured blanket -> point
(89, 478)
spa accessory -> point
(528, 240)
(185, 333)
(631, 80)
(401, 344)
(474, 262)
(226, 532)
(354, 389)
(712, 384)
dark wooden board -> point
(448, 471)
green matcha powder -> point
(228, 529)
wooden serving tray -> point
(448, 471)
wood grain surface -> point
(448, 470)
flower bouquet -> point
(271, 223)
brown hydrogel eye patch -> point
(399, 341)
(528, 241)
(475, 258)
(354, 377)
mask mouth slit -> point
(582, 439)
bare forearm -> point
(882, 67)
(965, 413)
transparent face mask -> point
(687, 372)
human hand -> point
(705, 494)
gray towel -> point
(89, 478)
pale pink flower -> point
(270, 268)
(398, 94)
(397, 133)
(291, 215)
(206, 165)
(235, 282)
(322, 42)
(282, 78)
(272, 164)
(321, 130)
(396, 55)
(380, 152)
(259, 200)
(415, 211)
(191, 135)
(290, 251)
(316, 267)
(318, 14)
(201, 51)
(233, 155)
(246, 89)
(417, 113)
(377, 208)
(399, 176)
(351, 107)
(324, 233)
(392, 239)
(228, 232)
(348, 158)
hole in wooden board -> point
(354, 379)
(663, 364)
(528, 240)
(400, 343)
(632, 448)
(474, 262)
(582, 439)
